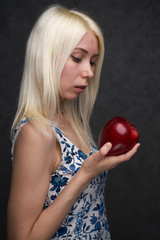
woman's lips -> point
(80, 88)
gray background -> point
(130, 87)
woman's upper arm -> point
(33, 157)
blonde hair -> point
(52, 40)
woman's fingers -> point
(105, 148)
(129, 154)
(99, 161)
(114, 161)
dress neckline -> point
(76, 148)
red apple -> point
(121, 133)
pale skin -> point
(37, 156)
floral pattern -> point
(87, 218)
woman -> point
(58, 178)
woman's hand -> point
(99, 162)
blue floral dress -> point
(87, 218)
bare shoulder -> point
(34, 148)
(31, 133)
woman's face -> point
(79, 68)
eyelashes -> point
(78, 60)
(75, 59)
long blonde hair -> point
(52, 40)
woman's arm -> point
(34, 156)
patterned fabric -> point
(87, 218)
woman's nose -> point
(88, 70)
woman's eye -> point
(78, 60)
(75, 59)
(92, 64)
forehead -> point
(89, 42)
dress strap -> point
(15, 134)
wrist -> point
(83, 177)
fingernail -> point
(108, 145)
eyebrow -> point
(85, 51)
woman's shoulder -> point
(34, 149)
(31, 133)
(27, 135)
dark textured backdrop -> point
(130, 87)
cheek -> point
(66, 70)
(64, 81)
(67, 73)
